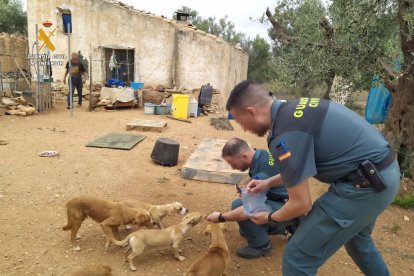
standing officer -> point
(77, 71)
(240, 156)
(318, 138)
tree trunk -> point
(400, 124)
(330, 76)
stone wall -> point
(12, 47)
(166, 53)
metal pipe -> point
(1, 78)
(37, 70)
(90, 83)
(70, 74)
(127, 65)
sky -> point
(237, 11)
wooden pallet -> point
(147, 125)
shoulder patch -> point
(282, 151)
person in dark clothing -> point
(260, 165)
(77, 71)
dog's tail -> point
(122, 242)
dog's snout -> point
(183, 211)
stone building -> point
(151, 48)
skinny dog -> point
(109, 214)
(170, 236)
(157, 212)
(215, 262)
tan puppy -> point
(109, 214)
(217, 258)
(170, 236)
(157, 212)
(94, 270)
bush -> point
(406, 200)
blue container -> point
(67, 19)
(378, 103)
(137, 85)
(230, 116)
(168, 105)
(149, 109)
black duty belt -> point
(278, 198)
(367, 173)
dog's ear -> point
(207, 231)
(154, 214)
(141, 218)
(194, 220)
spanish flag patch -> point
(282, 151)
(285, 156)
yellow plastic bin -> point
(180, 106)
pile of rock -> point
(17, 106)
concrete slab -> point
(116, 140)
(206, 164)
(147, 125)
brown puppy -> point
(217, 258)
(109, 214)
(94, 270)
(157, 212)
(170, 236)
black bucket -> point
(165, 152)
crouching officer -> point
(319, 138)
(238, 154)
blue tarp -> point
(115, 82)
(379, 100)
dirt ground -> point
(34, 190)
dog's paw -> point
(181, 258)
(133, 268)
(128, 227)
(78, 237)
(77, 248)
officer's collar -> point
(274, 110)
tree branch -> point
(391, 72)
(280, 32)
(328, 29)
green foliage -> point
(13, 19)
(222, 27)
(259, 60)
(406, 200)
(346, 38)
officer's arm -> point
(257, 186)
(299, 203)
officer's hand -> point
(257, 186)
(260, 218)
(213, 217)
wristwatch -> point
(269, 218)
(221, 218)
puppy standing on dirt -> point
(109, 214)
(170, 236)
(157, 212)
(215, 262)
